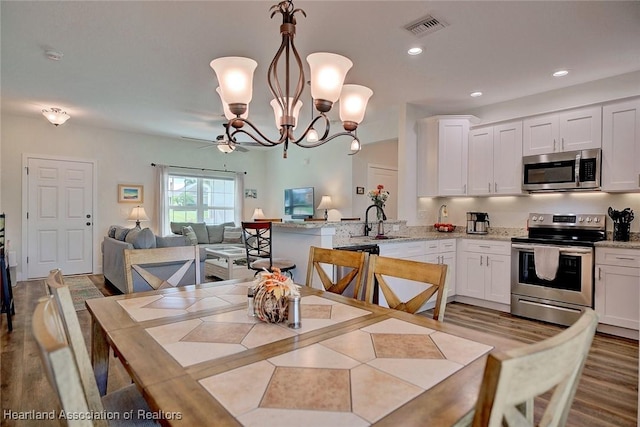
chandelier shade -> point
(227, 112)
(353, 102)
(235, 75)
(286, 81)
(328, 71)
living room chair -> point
(433, 275)
(257, 242)
(137, 259)
(355, 261)
(68, 368)
(514, 378)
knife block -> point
(621, 231)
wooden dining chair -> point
(257, 238)
(60, 361)
(268, 220)
(514, 378)
(432, 275)
(356, 261)
(138, 260)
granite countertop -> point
(633, 244)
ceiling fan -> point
(221, 142)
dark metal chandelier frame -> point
(285, 98)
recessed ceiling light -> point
(560, 73)
(475, 94)
(415, 51)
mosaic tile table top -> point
(173, 304)
(353, 379)
(214, 336)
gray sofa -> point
(119, 238)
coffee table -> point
(223, 265)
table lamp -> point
(325, 204)
(138, 214)
(258, 214)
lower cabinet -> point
(444, 252)
(617, 287)
(484, 270)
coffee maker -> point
(477, 222)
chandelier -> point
(56, 116)
(328, 71)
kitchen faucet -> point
(367, 227)
(442, 213)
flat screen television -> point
(298, 202)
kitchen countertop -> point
(634, 244)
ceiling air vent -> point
(425, 25)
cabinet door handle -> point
(484, 246)
(554, 144)
(562, 144)
(599, 273)
(625, 258)
(464, 189)
(489, 184)
(480, 259)
(495, 187)
(487, 260)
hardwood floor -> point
(607, 394)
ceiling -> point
(144, 66)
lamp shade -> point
(138, 214)
(225, 107)
(353, 102)
(277, 111)
(328, 71)
(355, 145)
(258, 214)
(56, 116)
(235, 75)
(325, 203)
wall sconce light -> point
(325, 204)
(56, 116)
(258, 214)
(138, 214)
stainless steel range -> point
(560, 286)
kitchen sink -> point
(384, 237)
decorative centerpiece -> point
(271, 296)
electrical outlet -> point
(422, 214)
(396, 227)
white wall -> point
(380, 153)
(121, 157)
(327, 168)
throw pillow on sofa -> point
(232, 235)
(190, 235)
(200, 228)
(120, 233)
(141, 239)
(216, 232)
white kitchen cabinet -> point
(577, 129)
(617, 287)
(495, 159)
(444, 252)
(621, 146)
(442, 155)
(484, 270)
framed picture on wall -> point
(130, 193)
(359, 190)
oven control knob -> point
(534, 218)
(596, 220)
(580, 219)
(541, 218)
(588, 219)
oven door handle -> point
(566, 250)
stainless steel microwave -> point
(567, 171)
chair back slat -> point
(73, 332)
(432, 275)
(60, 363)
(357, 261)
(257, 239)
(139, 259)
(514, 378)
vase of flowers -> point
(271, 296)
(379, 197)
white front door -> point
(60, 217)
(388, 177)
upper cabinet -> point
(621, 146)
(495, 159)
(442, 155)
(577, 129)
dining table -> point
(199, 358)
